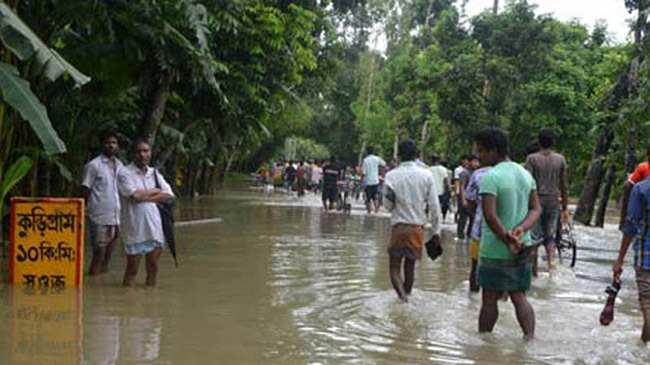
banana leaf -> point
(25, 44)
(18, 95)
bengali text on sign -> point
(46, 242)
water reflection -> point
(134, 336)
(44, 326)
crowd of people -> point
(504, 210)
(507, 210)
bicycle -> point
(566, 244)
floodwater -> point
(277, 281)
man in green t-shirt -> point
(510, 209)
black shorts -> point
(371, 192)
(330, 193)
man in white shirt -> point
(370, 177)
(441, 180)
(410, 193)
(456, 200)
(316, 175)
(99, 188)
(142, 226)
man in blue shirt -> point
(635, 229)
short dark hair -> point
(138, 142)
(472, 157)
(108, 133)
(532, 148)
(493, 139)
(463, 157)
(407, 150)
(546, 138)
(434, 159)
(370, 150)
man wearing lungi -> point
(510, 209)
(410, 192)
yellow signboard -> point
(46, 248)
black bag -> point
(433, 250)
(167, 220)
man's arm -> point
(463, 199)
(128, 190)
(471, 195)
(489, 204)
(618, 264)
(564, 192)
(145, 195)
(89, 175)
(534, 212)
(84, 192)
(389, 202)
(434, 209)
(471, 206)
(165, 194)
(633, 216)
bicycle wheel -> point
(567, 251)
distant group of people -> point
(122, 203)
(334, 181)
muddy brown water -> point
(277, 281)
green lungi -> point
(508, 275)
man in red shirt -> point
(641, 173)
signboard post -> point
(46, 242)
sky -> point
(587, 11)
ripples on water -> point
(278, 281)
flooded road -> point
(277, 281)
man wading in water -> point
(510, 209)
(143, 232)
(99, 187)
(549, 171)
(409, 191)
(635, 230)
(370, 177)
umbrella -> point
(607, 315)
(167, 219)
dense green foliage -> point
(217, 85)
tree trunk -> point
(495, 8)
(231, 154)
(188, 176)
(395, 146)
(630, 149)
(213, 174)
(585, 208)
(604, 199)
(451, 146)
(363, 149)
(155, 110)
(423, 139)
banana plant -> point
(14, 174)
(23, 47)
